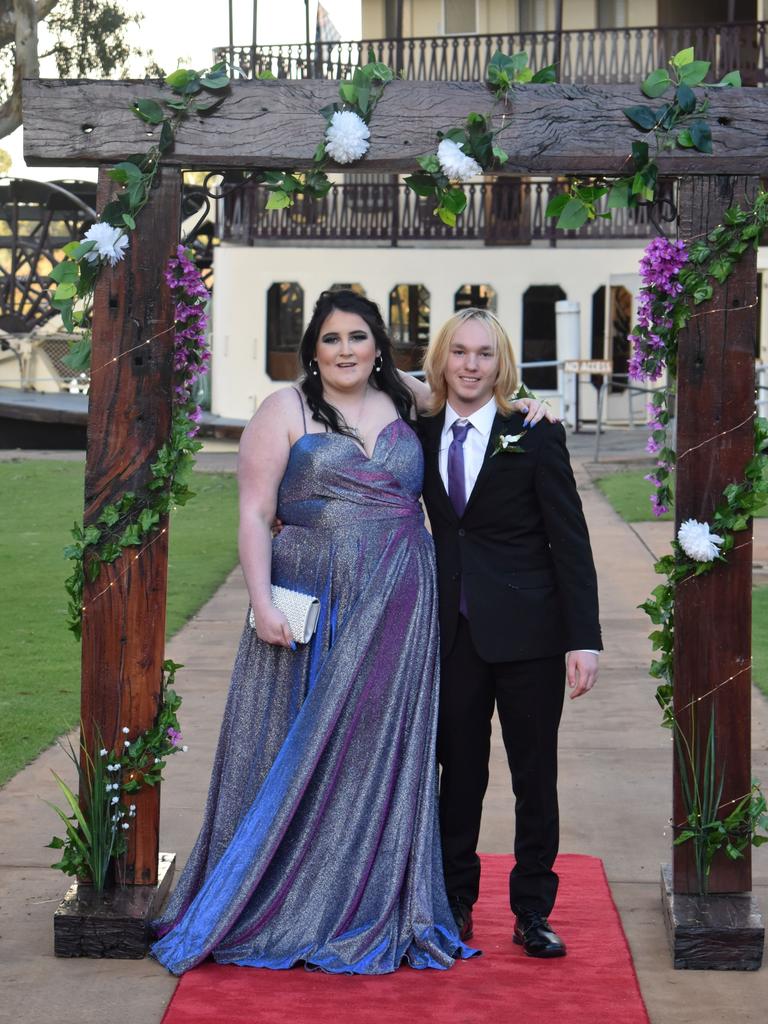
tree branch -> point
(8, 18)
(26, 63)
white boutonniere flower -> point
(508, 443)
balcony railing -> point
(508, 211)
(586, 56)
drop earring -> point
(378, 362)
(313, 367)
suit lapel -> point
(499, 422)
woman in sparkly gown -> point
(320, 838)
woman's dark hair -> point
(386, 380)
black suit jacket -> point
(521, 547)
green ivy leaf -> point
(179, 78)
(454, 199)
(656, 83)
(78, 358)
(701, 134)
(220, 80)
(574, 215)
(682, 57)
(148, 110)
(278, 200)
(685, 97)
(429, 163)
(65, 272)
(65, 291)
(684, 138)
(643, 117)
(421, 184)
(557, 204)
(545, 76)
(446, 216)
(618, 197)
(731, 80)
(348, 92)
(694, 72)
(500, 154)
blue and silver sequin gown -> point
(320, 838)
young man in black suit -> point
(518, 611)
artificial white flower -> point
(509, 439)
(126, 825)
(103, 751)
(111, 244)
(697, 542)
(157, 760)
(346, 137)
(185, 748)
(455, 164)
(126, 730)
(115, 799)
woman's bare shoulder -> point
(278, 415)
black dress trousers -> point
(529, 697)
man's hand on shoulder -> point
(582, 669)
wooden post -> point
(715, 439)
(129, 418)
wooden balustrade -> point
(586, 56)
(509, 211)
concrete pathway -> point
(615, 796)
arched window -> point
(409, 323)
(356, 288)
(481, 296)
(539, 337)
(285, 325)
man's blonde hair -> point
(436, 358)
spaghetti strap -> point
(301, 403)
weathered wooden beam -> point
(129, 418)
(547, 129)
(715, 439)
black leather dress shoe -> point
(462, 915)
(534, 934)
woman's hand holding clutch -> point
(272, 627)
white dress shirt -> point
(475, 445)
(475, 442)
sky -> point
(185, 32)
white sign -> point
(602, 366)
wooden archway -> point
(550, 129)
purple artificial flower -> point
(174, 736)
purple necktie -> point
(456, 488)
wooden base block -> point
(114, 925)
(723, 932)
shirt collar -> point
(481, 419)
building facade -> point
(372, 233)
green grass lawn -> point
(39, 657)
(630, 494)
(760, 638)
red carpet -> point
(594, 984)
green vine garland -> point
(680, 122)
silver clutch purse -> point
(301, 610)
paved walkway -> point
(615, 796)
